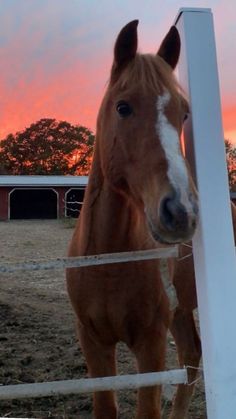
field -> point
(37, 330)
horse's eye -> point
(123, 109)
(186, 117)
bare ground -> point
(37, 330)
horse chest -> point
(117, 303)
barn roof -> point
(43, 180)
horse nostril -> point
(166, 212)
(194, 224)
(173, 214)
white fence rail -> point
(89, 385)
(94, 260)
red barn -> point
(43, 197)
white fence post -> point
(213, 244)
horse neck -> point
(109, 222)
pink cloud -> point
(56, 56)
(55, 80)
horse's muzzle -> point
(177, 223)
(174, 222)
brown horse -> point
(183, 326)
(140, 196)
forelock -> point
(150, 73)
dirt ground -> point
(37, 330)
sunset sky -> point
(56, 55)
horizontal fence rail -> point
(90, 385)
(94, 260)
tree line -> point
(47, 147)
(51, 147)
(231, 163)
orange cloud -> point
(72, 94)
(55, 61)
(47, 70)
(229, 123)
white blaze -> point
(169, 138)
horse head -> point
(138, 134)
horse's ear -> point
(170, 47)
(125, 46)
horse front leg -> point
(101, 363)
(150, 355)
(188, 344)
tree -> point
(47, 147)
(231, 163)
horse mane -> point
(151, 73)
